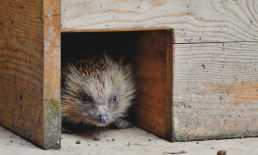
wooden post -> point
(30, 70)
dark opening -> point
(150, 52)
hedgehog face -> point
(100, 98)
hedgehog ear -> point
(121, 61)
(106, 58)
(104, 54)
(128, 68)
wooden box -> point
(204, 56)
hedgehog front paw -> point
(122, 124)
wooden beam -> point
(192, 21)
(29, 91)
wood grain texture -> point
(215, 90)
(193, 21)
(22, 68)
(23, 72)
(153, 71)
(52, 75)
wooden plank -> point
(52, 75)
(193, 21)
(215, 90)
(25, 104)
(152, 62)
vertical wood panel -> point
(23, 70)
(52, 77)
(153, 74)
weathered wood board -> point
(192, 20)
(30, 70)
(215, 90)
(215, 57)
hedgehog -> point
(97, 92)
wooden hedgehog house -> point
(195, 63)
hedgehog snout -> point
(103, 119)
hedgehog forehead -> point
(102, 86)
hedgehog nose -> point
(103, 119)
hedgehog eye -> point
(114, 98)
(86, 98)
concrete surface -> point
(126, 141)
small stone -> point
(96, 139)
(128, 144)
(113, 139)
(221, 152)
(78, 142)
